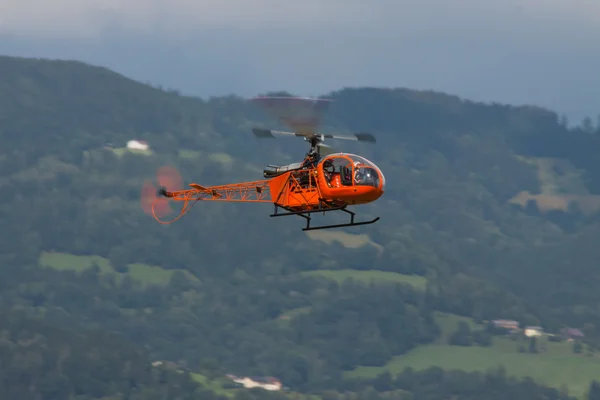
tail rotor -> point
(153, 197)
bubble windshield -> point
(352, 170)
(366, 176)
(360, 160)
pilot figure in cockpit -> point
(363, 175)
(359, 175)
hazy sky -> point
(545, 52)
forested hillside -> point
(491, 212)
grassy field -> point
(556, 367)
(560, 185)
(215, 385)
(367, 276)
(146, 274)
(294, 312)
(222, 158)
(123, 150)
(189, 154)
(448, 324)
(348, 240)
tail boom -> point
(249, 192)
(245, 192)
(292, 191)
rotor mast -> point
(314, 145)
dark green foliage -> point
(465, 336)
(594, 391)
(462, 335)
(482, 338)
(44, 361)
(533, 345)
(451, 168)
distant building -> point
(571, 334)
(138, 145)
(531, 331)
(505, 324)
(267, 383)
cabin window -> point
(338, 163)
(338, 170)
(366, 176)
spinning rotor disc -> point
(169, 179)
(301, 114)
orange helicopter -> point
(318, 184)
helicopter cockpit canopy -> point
(366, 176)
(353, 170)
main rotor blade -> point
(271, 133)
(302, 114)
(325, 149)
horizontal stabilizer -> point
(211, 190)
(197, 187)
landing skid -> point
(307, 217)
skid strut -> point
(307, 217)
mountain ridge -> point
(453, 167)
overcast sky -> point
(545, 52)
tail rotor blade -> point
(148, 196)
(169, 178)
(162, 207)
(151, 201)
